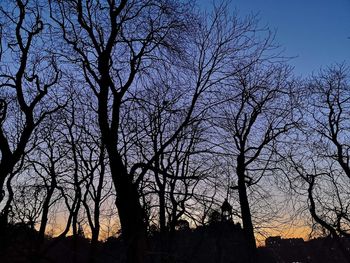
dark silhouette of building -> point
(277, 241)
(226, 211)
(220, 241)
(319, 250)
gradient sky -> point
(316, 32)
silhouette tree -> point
(179, 168)
(113, 42)
(96, 188)
(26, 99)
(45, 169)
(320, 160)
(153, 105)
(257, 110)
(118, 61)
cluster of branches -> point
(318, 162)
(162, 111)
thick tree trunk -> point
(131, 213)
(94, 243)
(245, 209)
(162, 220)
(132, 221)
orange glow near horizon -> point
(291, 232)
(295, 231)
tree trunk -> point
(46, 207)
(5, 170)
(131, 213)
(95, 228)
(162, 221)
(7, 208)
(94, 242)
(244, 204)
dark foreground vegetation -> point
(218, 242)
(136, 116)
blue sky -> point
(317, 32)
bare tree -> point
(329, 109)
(257, 110)
(25, 81)
(320, 161)
(176, 171)
(122, 47)
(113, 43)
(28, 203)
(44, 162)
(96, 188)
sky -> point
(315, 32)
